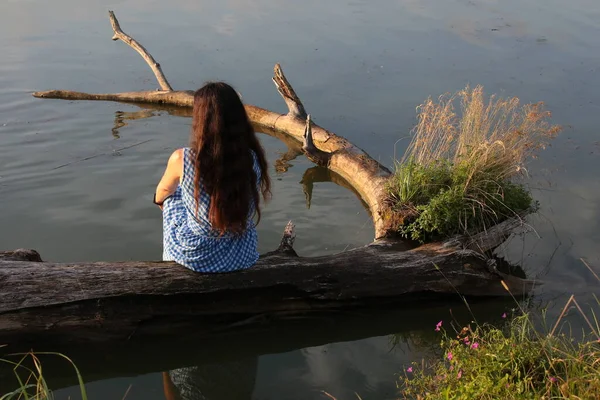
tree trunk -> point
(101, 301)
(95, 302)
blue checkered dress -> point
(189, 239)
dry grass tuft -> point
(457, 173)
(498, 134)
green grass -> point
(29, 375)
(521, 359)
(460, 173)
(513, 362)
(437, 201)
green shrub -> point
(458, 174)
(437, 201)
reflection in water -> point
(233, 380)
(321, 174)
(337, 355)
(175, 111)
(147, 111)
(294, 148)
(282, 164)
(121, 118)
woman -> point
(210, 191)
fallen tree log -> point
(96, 302)
(115, 301)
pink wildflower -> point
(438, 326)
(552, 379)
(459, 374)
(450, 356)
(475, 345)
(409, 369)
(504, 315)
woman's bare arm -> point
(171, 178)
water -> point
(360, 68)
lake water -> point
(361, 67)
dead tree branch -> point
(120, 35)
(295, 106)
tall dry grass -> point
(496, 134)
(457, 173)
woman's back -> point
(188, 236)
(211, 190)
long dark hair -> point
(222, 141)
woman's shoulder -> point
(178, 154)
(183, 154)
(176, 159)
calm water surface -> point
(360, 68)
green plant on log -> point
(459, 173)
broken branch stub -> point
(287, 241)
(295, 106)
(315, 155)
(20, 255)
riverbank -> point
(527, 357)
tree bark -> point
(103, 301)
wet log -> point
(99, 301)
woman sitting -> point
(211, 190)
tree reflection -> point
(121, 118)
(321, 174)
(282, 164)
